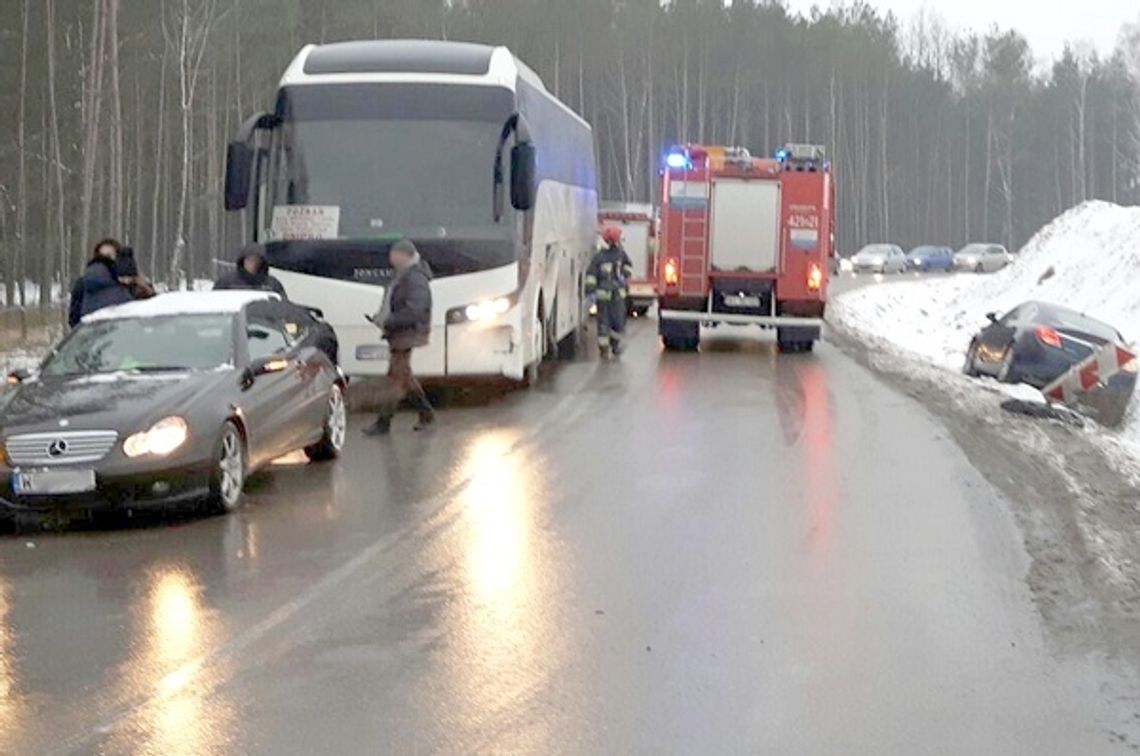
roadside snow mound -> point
(1088, 259)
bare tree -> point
(187, 34)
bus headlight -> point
(480, 311)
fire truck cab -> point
(639, 239)
(745, 241)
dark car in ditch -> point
(173, 400)
(1036, 343)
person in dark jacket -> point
(251, 271)
(607, 280)
(405, 320)
(128, 270)
(102, 285)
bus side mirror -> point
(522, 176)
(239, 172)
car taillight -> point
(814, 277)
(1049, 336)
(672, 274)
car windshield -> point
(170, 343)
(874, 249)
(924, 252)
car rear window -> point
(1070, 320)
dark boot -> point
(617, 347)
(426, 412)
(382, 426)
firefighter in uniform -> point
(607, 280)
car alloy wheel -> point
(231, 468)
(334, 430)
(337, 422)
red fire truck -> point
(639, 238)
(745, 241)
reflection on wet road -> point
(727, 552)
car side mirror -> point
(523, 168)
(18, 376)
(263, 366)
(239, 175)
(992, 317)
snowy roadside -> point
(20, 359)
(1087, 259)
(1073, 489)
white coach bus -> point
(458, 147)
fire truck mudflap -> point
(745, 241)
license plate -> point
(51, 482)
(371, 352)
(741, 301)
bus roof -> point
(408, 61)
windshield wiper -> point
(158, 369)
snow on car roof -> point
(182, 303)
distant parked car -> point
(1036, 343)
(927, 258)
(879, 258)
(982, 258)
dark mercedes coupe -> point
(167, 401)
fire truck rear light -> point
(672, 274)
(815, 277)
(1049, 336)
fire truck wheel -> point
(790, 341)
(681, 343)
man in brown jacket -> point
(405, 320)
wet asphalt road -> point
(729, 552)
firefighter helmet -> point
(611, 235)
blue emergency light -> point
(783, 154)
(677, 160)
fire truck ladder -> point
(694, 240)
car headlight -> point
(160, 439)
(480, 311)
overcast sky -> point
(1047, 24)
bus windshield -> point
(391, 161)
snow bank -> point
(31, 294)
(1087, 259)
